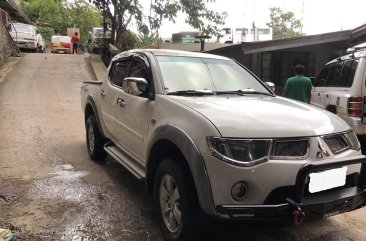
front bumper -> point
(60, 50)
(26, 45)
(322, 204)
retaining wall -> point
(7, 45)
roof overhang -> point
(14, 12)
(273, 45)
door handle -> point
(102, 93)
(121, 102)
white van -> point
(233, 35)
(26, 36)
(340, 88)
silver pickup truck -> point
(210, 139)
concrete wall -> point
(7, 45)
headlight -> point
(238, 151)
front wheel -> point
(94, 140)
(176, 201)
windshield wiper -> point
(192, 92)
(243, 92)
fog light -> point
(238, 191)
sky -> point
(319, 16)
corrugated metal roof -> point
(14, 12)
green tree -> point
(126, 12)
(284, 25)
(84, 16)
(62, 14)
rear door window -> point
(348, 73)
(329, 76)
(119, 72)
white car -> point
(340, 89)
(26, 36)
(207, 136)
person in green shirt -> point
(299, 86)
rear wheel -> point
(95, 141)
(176, 201)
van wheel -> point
(176, 201)
(94, 140)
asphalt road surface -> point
(51, 190)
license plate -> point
(329, 179)
(61, 52)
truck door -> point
(133, 113)
(110, 91)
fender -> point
(194, 160)
(90, 101)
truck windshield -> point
(192, 73)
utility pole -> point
(302, 16)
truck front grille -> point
(296, 149)
(336, 143)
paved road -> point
(51, 190)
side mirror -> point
(271, 86)
(135, 86)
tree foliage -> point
(62, 14)
(284, 25)
(126, 12)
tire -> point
(94, 140)
(174, 192)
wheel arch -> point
(332, 108)
(91, 109)
(171, 141)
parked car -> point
(208, 137)
(26, 37)
(61, 44)
(340, 88)
(98, 38)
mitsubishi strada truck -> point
(210, 139)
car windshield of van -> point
(98, 33)
(183, 74)
(23, 28)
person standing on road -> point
(298, 87)
(75, 41)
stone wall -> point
(7, 45)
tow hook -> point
(298, 217)
(298, 214)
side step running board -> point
(137, 171)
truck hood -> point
(264, 116)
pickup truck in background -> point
(26, 37)
(209, 139)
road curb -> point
(97, 67)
